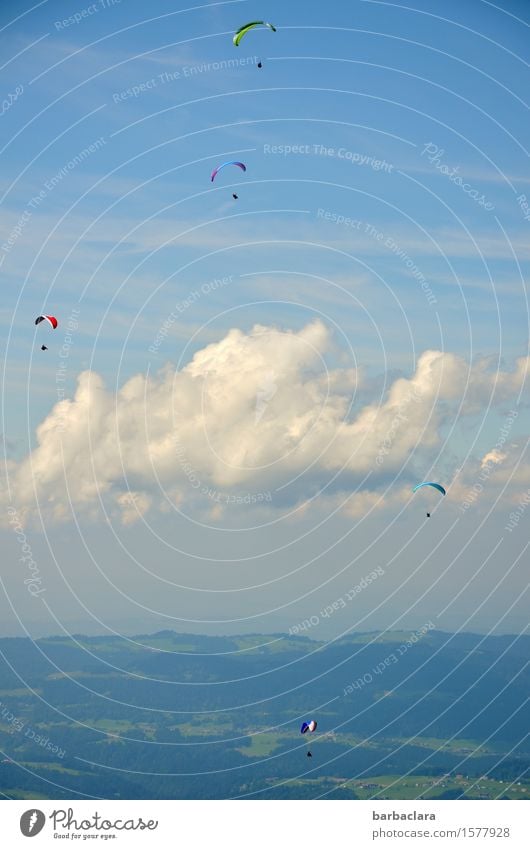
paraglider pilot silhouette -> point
(437, 486)
(308, 727)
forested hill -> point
(400, 715)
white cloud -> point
(368, 501)
(189, 430)
(495, 456)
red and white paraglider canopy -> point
(49, 318)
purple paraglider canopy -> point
(216, 170)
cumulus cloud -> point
(495, 456)
(249, 413)
(367, 501)
(133, 506)
(503, 471)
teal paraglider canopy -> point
(437, 486)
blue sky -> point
(386, 147)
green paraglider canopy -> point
(244, 29)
